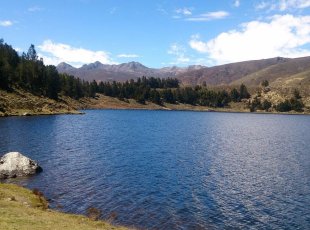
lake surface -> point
(169, 169)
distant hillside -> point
(282, 72)
(291, 73)
(122, 72)
(226, 74)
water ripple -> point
(171, 170)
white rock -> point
(14, 164)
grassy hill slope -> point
(292, 73)
(225, 74)
(20, 102)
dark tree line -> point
(295, 103)
(169, 91)
(29, 73)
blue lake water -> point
(169, 169)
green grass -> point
(21, 209)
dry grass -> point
(105, 102)
(20, 102)
(280, 74)
(21, 209)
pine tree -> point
(32, 53)
(234, 94)
(244, 92)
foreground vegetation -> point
(23, 209)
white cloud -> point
(181, 57)
(287, 4)
(179, 52)
(209, 16)
(54, 53)
(263, 5)
(184, 11)
(237, 3)
(198, 45)
(281, 35)
(128, 56)
(283, 5)
(6, 23)
(19, 50)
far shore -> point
(198, 109)
(214, 110)
(22, 103)
(42, 114)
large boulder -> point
(14, 164)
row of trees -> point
(172, 93)
(285, 106)
(291, 104)
(294, 103)
(29, 73)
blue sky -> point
(157, 33)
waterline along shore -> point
(21, 103)
(23, 209)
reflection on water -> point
(171, 170)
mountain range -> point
(122, 72)
(282, 71)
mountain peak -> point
(134, 63)
(64, 66)
(134, 66)
(195, 67)
(94, 65)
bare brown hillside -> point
(291, 73)
(226, 74)
(280, 72)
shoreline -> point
(42, 114)
(22, 103)
(201, 110)
(22, 208)
(207, 109)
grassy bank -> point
(105, 102)
(21, 209)
(19, 103)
